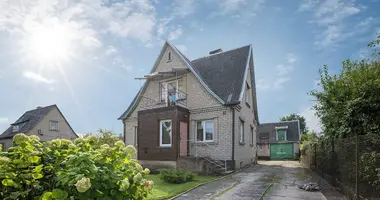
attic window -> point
(16, 128)
(248, 95)
(54, 125)
(169, 56)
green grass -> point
(164, 190)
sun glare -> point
(48, 43)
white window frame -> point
(241, 131)
(204, 130)
(50, 125)
(15, 128)
(170, 134)
(285, 128)
(165, 85)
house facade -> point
(46, 122)
(279, 140)
(204, 109)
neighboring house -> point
(204, 109)
(46, 122)
(278, 140)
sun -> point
(48, 42)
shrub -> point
(176, 176)
(62, 169)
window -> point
(54, 125)
(169, 91)
(205, 131)
(281, 134)
(169, 56)
(135, 136)
(251, 139)
(247, 94)
(16, 128)
(166, 133)
(241, 132)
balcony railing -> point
(169, 98)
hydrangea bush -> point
(61, 169)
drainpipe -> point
(233, 138)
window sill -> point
(242, 143)
(164, 147)
(204, 143)
(54, 130)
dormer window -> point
(16, 128)
(169, 56)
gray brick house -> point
(46, 122)
(278, 140)
(195, 111)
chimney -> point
(215, 51)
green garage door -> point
(281, 151)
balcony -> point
(164, 99)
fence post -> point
(357, 166)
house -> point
(46, 122)
(203, 110)
(279, 140)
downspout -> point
(233, 138)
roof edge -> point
(245, 74)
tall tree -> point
(349, 102)
(293, 116)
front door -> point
(183, 139)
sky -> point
(83, 55)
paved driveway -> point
(277, 179)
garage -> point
(281, 151)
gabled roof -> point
(29, 120)
(223, 74)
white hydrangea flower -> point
(124, 185)
(83, 185)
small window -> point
(170, 56)
(281, 134)
(166, 133)
(16, 128)
(248, 95)
(241, 132)
(54, 125)
(205, 131)
(251, 138)
(135, 136)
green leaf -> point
(38, 168)
(7, 182)
(37, 176)
(34, 159)
(47, 196)
(59, 194)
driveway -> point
(271, 179)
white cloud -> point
(333, 18)
(183, 8)
(111, 50)
(312, 121)
(291, 58)
(229, 6)
(4, 120)
(175, 34)
(37, 77)
(262, 85)
(279, 82)
(181, 47)
(284, 69)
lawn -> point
(164, 190)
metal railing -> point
(159, 99)
(199, 153)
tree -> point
(349, 102)
(293, 116)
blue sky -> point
(83, 55)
